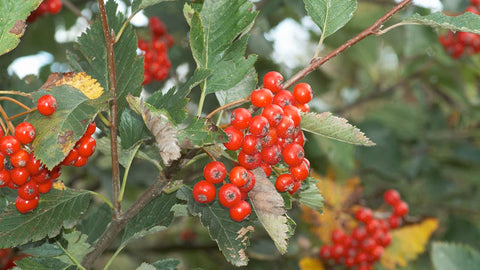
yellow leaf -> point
(83, 82)
(407, 243)
(336, 199)
(309, 263)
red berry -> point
(261, 97)
(19, 176)
(274, 114)
(204, 192)
(326, 252)
(300, 139)
(54, 6)
(338, 250)
(239, 176)
(250, 183)
(46, 105)
(302, 93)
(229, 195)
(240, 211)
(400, 209)
(284, 182)
(359, 233)
(266, 168)
(214, 172)
(296, 186)
(300, 172)
(271, 155)
(28, 190)
(20, 158)
(293, 113)
(240, 118)
(273, 81)
(251, 145)
(286, 128)
(363, 214)
(9, 145)
(249, 161)
(87, 146)
(25, 206)
(70, 158)
(235, 138)
(394, 221)
(376, 252)
(41, 177)
(80, 161)
(337, 236)
(259, 126)
(90, 129)
(293, 154)
(284, 98)
(45, 186)
(25, 132)
(372, 226)
(269, 139)
(391, 196)
(303, 107)
(34, 166)
(4, 177)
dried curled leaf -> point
(161, 127)
(270, 209)
(89, 86)
(407, 243)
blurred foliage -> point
(419, 106)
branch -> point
(371, 30)
(109, 42)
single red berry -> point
(338, 250)
(326, 252)
(9, 145)
(4, 177)
(270, 139)
(251, 144)
(25, 132)
(80, 161)
(20, 158)
(250, 183)
(214, 172)
(296, 186)
(46, 104)
(19, 176)
(385, 240)
(28, 190)
(240, 211)
(293, 154)
(286, 128)
(261, 97)
(363, 214)
(239, 176)
(204, 191)
(271, 155)
(372, 226)
(300, 139)
(305, 108)
(300, 172)
(391, 196)
(273, 81)
(284, 182)
(70, 158)
(302, 93)
(337, 236)
(350, 261)
(376, 252)
(394, 221)
(249, 161)
(259, 126)
(400, 209)
(41, 177)
(284, 98)
(87, 146)
(25, 206)
(274, 114)
(293, 113)
(359, 233)
(90, 129)
(34, 166)
(45, 186)
(54, 6)
(229, 195)
(266, 168)
(235, 138)
(240, 118)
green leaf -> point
(95, 221)
(76, 244)
(42, 249)
(41, 263)
(231, 236)
(175, 101)
(200, 132)
(57, 134)
(446, 256)
(167, 264)
(330, 15)
(146, 266)
(270, 209)
(138, 5)
(12, 22)
(467, 22)
(92, 56)
(242, 90)
(310, 196)
(155, 216)
(131, 128)
(219, 50)
(55, 210)
(333, 127)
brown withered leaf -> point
(270, 209)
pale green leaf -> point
(200, 132)
(242, 90)
(448, 256)
(138, 5)
(76, 244)
(330, 15)
(41, 263)
(333, 127)
(467, 22)
(12, 22)
(309, 195)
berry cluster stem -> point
(226, 106)
(109, 42)
(373, 29)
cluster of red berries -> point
(366, 243)
(157, 64)
(462, 43)
(8, 257)
(264, 140)
(83, 149)
(47, 6)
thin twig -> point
(21, 114)
(208, 154)
(25, 107)
(371, 30)
(109, 43)
(384, 31)
(10, 126)
(231, 104)
(13, 92)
